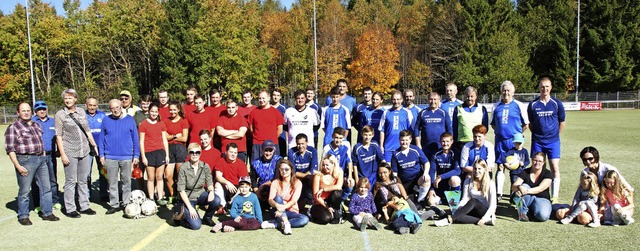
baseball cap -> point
(126, 93)
(244, 179)
(268, 144)
(518, 138)
(39, 105)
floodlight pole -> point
(33, 88)
(578, 53)
(315, 51)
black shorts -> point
(177, 153)
(155, 158)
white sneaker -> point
(442, 222)
(492, 220)
(268, 225)
(566, 220)
(593, 224)
(627, 219)
(287, 228)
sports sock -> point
(500, 182)
(423, 193)
(556, 187)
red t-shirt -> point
(152, 135)
(265, 124)
(233, 123)
(231, 171)
(175, 128)
(244, 111)
(164, 112)
(188, 109)
(199, 121)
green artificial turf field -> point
(614, 133)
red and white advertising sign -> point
(590, 106)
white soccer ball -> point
(137, 197)
(132, 210)
(149, 208)
(512, 162)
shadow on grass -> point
(13, 205)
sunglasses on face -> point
(268, 150)
(124, 98)
(285, 169)
(589, 159)
(195, 152)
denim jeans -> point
(196, 223)
(35, 165)
(539, 208)
(295, 219)
(52, 166)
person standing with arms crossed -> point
(547, 117)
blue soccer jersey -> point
(430, 124)
(358, 117)
(545, 120)
(282, 109)
(470, 153)
(408, 164)
(392, 123)
(263, 171)
(304, 162)
(414, 112)
(318, 109)
(449, 106)
(342, 153)
(347, 101)
(366, 159)
(508, 119)
(336, 116)
(48, 131)
(443, 164)
(523, 155)
(372, 117)
(95, 123)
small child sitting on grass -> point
(362, 206)
(404, 219)
(245, 210)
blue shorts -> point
(552, 150)
(501, 148)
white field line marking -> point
(144, 242)
(365, 238)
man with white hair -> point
(509, 118)
(119, 151)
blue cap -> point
(39, 105)
(268, 144)
(518, 138)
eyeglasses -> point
(589, 159)
(285, 169)
(195, 152)
(115, 108)
(123, 98)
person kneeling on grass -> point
(362, 206)
(532, 188)
(327, 192)
(478, 205)
(404, 219)
(245, 210)
(193, 178)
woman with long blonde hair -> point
(479, 201)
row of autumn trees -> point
(147, 45)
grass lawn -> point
(613, 133)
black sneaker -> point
(112, 210)
(415, 227)
(337, 217)
(25, 222)
(50, 217)
(208, 221)
(73, 214)
(88, 211)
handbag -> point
(92, 148)
(180, 211)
